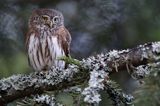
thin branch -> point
(19, 86)
(116, 95)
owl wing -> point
(27, 44)
(65, 40)
(29, 33)
(27, 37)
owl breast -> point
(44, 51)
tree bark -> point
(19, 86)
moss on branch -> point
(19, 86)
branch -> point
(116, 95)
(19, 86)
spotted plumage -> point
(47, 39)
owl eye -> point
(56, 19)
(45, 17)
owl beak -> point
(50, 24)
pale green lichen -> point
(156, 47)
(46, 100)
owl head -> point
(46, 19)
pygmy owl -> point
(47, 39)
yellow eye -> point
(45, 17)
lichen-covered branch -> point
(94, 68)
(116, 95)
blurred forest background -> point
(95, 25)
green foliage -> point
(70, 60)
(65, 99)
(149, 93)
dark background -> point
(95, 25)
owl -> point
(47, 39)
